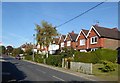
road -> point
(19, 70)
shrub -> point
(107, 66)
(55, 60)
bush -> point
(55, 60)
(107, 66)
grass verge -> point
(109, 76)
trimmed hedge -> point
(96, 56)
(28, 57)
(55, 60)
(38, 58)
(107, 54)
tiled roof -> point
(56, 40)
(85, 31)
(108, 32)
(73, 36)
(64, 36)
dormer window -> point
(94, 40)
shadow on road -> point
(11, 73)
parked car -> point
(19, 56)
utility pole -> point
(33, 46)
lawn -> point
(109, 76)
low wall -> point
(81, 67)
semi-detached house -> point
(82, 40)
(61, 42)
(70, 40)
(98, 37)
(101, 37)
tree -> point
(45, 34)
(9, 49)
(17, 51)
(2, 50)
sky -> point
(19, 18)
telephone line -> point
(80, 14)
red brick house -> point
(82, 40)
(101, 37)
(61, 41)
(70, 40)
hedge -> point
(96, 56)
(55, 60)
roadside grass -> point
(108, 76)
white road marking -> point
(40, 70)
(58, 78)
(12, 80)
(2, 60)
(6, 73)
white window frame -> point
(62, 44)
(93, 40)
(82, 42)
(94, 49)
(68, 43)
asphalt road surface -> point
(20, 71)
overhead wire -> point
(80, 14)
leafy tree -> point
(9, 49)
(17, 51)
(45, 33)
(29, 51)
(2, 50)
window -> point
(82, 42)
(68, 43)
(62, 44)
(94, 40)
(94, 49)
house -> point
(70, 40)
(26, 46)
(82, 40)
(61, 42)
(41, 49)
(54, 46)
(101, 37)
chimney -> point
(115, 29)
(72, 32)
(97, 23)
